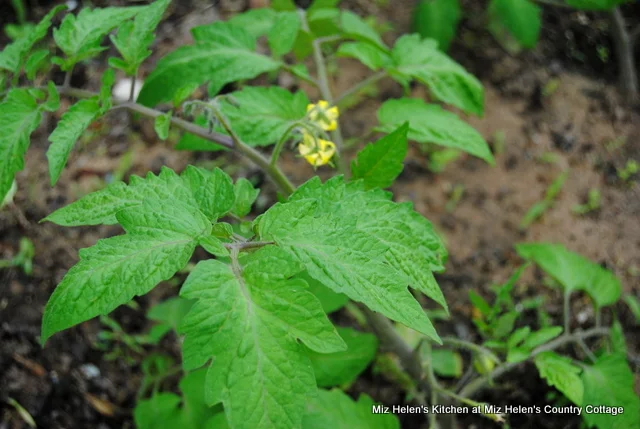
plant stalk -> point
(624, 44)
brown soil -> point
(576, 123)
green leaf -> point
(134, 37)
(616, 338)
(330, 300)
(322, 4)
(594, 4)
(256, 22)
(504, 324)
(53, 99)
(282, 35)
(521, 19)
(15, 53)
(518, 354)
(283, 5)
(261, 115)
(634, 305)
(106, 89)
(101, 207)
(334, 409)
(162, 124)
(541, 337)
(379, 163)
(360, 243)
(79, 36)
(189, 141)
(170, 311)
(356, 28)
(446, 363)
(212, 190)
(366, 53)
(246, 195)
(518, 336)
(74, 122)
(164, 410)
(447, 80)
(247, 319)
(19, 117)
(479, 302)
(609, 382)
(223, 53)
(37, 61)
(437, 19)
(429, 123)
(573, 271)
(214, 246)
(560, 373)
(341, 368)
(161, 237)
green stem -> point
(360, 86)
(566, 311)
(434, 386)
(310, 80)
(248, 245)
(455, 342)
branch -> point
(222, 139)
(626, 59)
(479, 384)
(247, 245)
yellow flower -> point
(317, 152)
(324, 116)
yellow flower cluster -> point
(317, 151)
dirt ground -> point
(580, 127)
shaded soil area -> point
(550, 110)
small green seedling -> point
(539, 208)
(593, 203)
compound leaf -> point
(447, 80)
(360, 243)
(559, 372)
(79, 36)
(429, 123)
(609, 382)
(573, 271)
(69, 129)
(223, 53)
(14, 54)
(161, 237)
(334, 409)
(379, 163)
(261, 115)
(335, 369)
(437, 19)
(134, 37)
(101, 207)
(247, 319)
(19, 117)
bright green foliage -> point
(261, 115)
(361, 244)
(257, 22)
(168, 410)
(334, 409)
(356, 28)
(222, 53)
(19, 117)
(574, 272)
(79, 36)
(36, 62)
(14, 54)
(610, 382)
(189, 141)
(246, 195)
(429, 123)
(594, 4)
(342, 368)
(437, 19)
(212, 190)
(169, 314)
(520, 19)
(379, 163)
(367, 54)
(160, 239)
(559, 372)
(53, 98)
(541, 337)
(446, 363)
(162, 124)
(331, 301)
(447, 80)
(247, 318)
(134, 37)
(101, 207)
(70, 128)
(282, 35)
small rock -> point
(90, 371)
